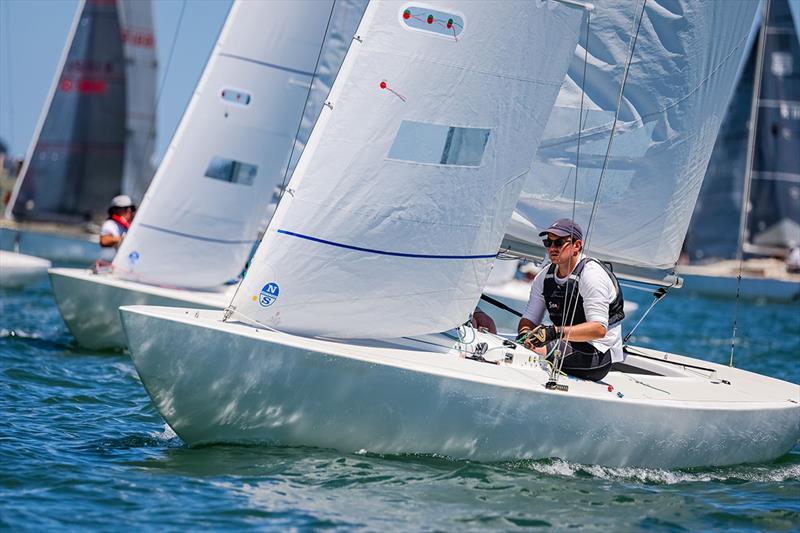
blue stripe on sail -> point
(271, 65)
(384, 252)
(196, 237)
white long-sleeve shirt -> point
(598, 292)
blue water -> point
(81, 447)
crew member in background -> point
(584, 302)
(120, 215)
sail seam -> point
(265, 64)
(383, 252)
(196, 237)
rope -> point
(751, 140)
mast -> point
(751, 137)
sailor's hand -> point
(523, 334)
(540, 336)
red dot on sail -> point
(430, 19)
(383, 85)
(66, 85)
(406, 14)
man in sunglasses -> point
(584, 301)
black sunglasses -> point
(558, 243)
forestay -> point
(398, 205)
(680, 80)
(139, 48)
(74, 164)
(211, 196)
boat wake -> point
(784, 469)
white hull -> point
(66, 248)
(18, 270)
(216, 381)
(89, 303)
(762, 279)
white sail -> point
(398, 205)
(675, 96)
(211, 195)
(139, 48)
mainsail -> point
(395, 212)
(773, 222)
(210, 198)
(80, 156)
(684, 57)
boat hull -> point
(72, 248)
(89, 304)
(216, 381)
(18, 270)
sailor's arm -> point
(107, 240)
(588, 331)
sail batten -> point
(397, 207)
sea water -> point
(81, 447)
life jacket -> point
(557, 297)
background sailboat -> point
(95, 136)
(770, 217)
(254, 107)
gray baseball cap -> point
(564, 227)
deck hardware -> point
(552, 385)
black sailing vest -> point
(557, 297)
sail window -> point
(231, 171)
(438, 144)
(439, 23)
(236, 97)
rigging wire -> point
(751, 140)
(568, 297)
(147, 146)
(231, 309)
(589, 226)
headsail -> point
(74, 165)
(684, 62)
(211, 196)
(398, 205)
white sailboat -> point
(763, 167)
(398, 207)
(94, 138)
(18, 270)
(254, 107)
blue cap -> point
(564, 227)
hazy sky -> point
(33, 34)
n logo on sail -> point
(269, 293)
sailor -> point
(120, 215)
(584, 302)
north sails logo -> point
(133, 258)
(269, 293)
